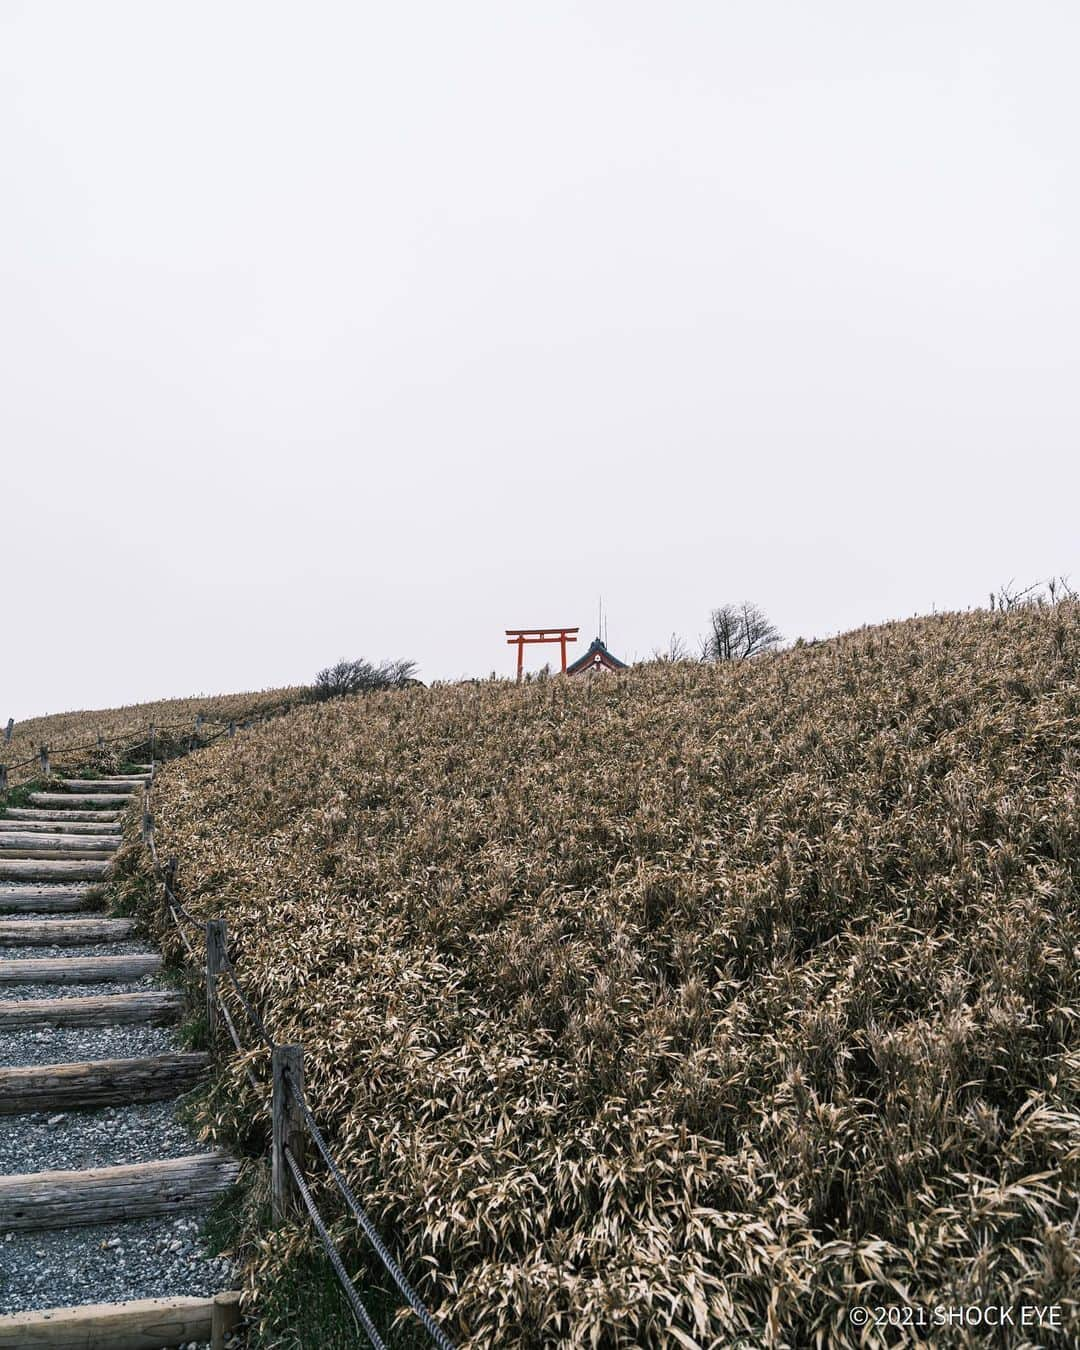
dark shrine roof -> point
(589, 659)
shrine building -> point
(596, 661)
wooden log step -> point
(55, 799)
(37, 813)
(78, 969)
(46, 899)
(99, 1082)
(38, 1200)
(63, 932)
(52, 869)
(137, 1324)
(103, 784)
(50, 827)
(31, 840)
(156, 1007)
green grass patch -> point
(18, 796)
(193, 1033)
(303, 1306)
(305, 1309)
(223, 1227)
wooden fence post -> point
(147, 818)
(224, 1317)
(153, 741)
(9, 730)
(232, 728)
(215, 962)
(100, 741)
(43, 755)
(288, 1128)
(168, 883)
(3, 777)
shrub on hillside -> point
(361, 677)
(738, 632)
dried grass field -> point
(696, 1003)
(174, 718)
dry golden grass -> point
(694, 1004)
(62, 731)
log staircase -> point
(54, 855)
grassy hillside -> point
(63, 731)
(696, 1003)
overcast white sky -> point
(342, 329)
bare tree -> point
(1038, 593)
(676, 650)
(359, 677)
(737, 632)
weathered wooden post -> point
(43, 755)
(100, 741)
(168, 885)
(153, 740)
(224, 1317)
(147, 818)
(288, 1128)
(9, 730)
(216, 956)
(3, 777)
(232, 728)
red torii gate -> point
(521, 636)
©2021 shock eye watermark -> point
(1033, 1316)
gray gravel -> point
(63, 1140)
(65, 1045)
(20, 991)
(55, 914)
(131, 947)
(83, 887)
(143, 1258)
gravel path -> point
(47, 1141)
(103, 1263)
(65, 1045)
(143, 1258)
